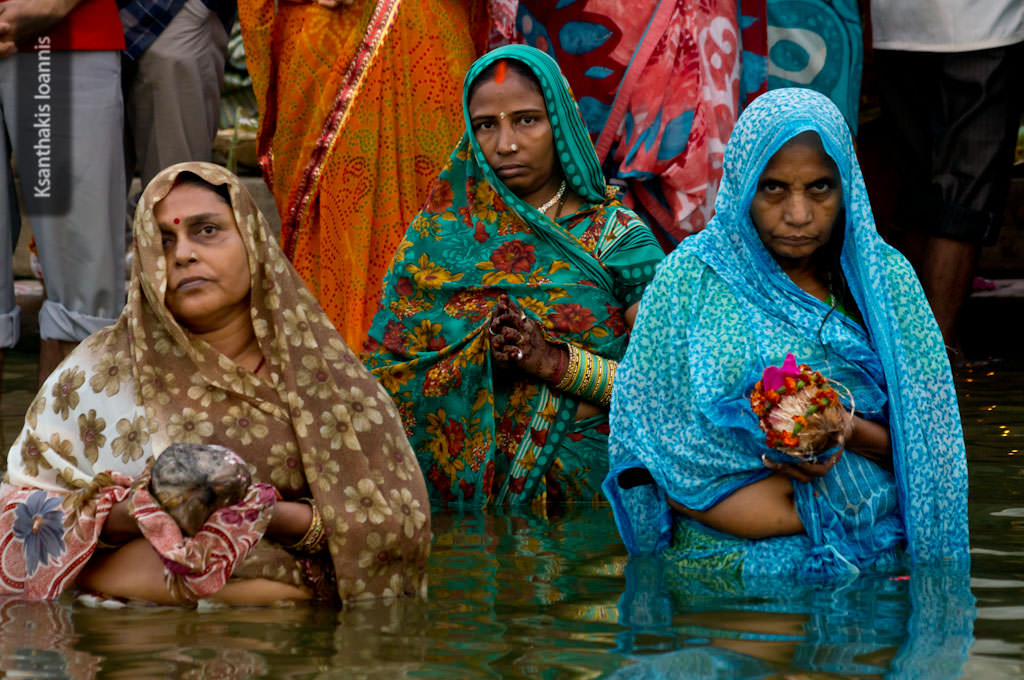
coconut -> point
(191, 481)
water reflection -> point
(916, 625)
(65, 640)
(517, 595)
(37, 641)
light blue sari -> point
(717, 313)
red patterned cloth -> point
(665, 143)
(199, 566)
(48, 536)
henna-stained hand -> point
(518, 340)
(865, 438)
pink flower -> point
(267, 494)
(774, 377)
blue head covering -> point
(721, 309)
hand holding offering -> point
(799, 411)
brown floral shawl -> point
(321, 426)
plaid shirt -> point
(143, 20)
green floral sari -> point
(483, 435)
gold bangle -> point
(313, 541)
(571, 370)
(606, 396)
(588, 359)
(595, 385)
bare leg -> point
(912, 245)
(51, 353)
(136, 572)
(946, 274)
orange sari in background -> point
(359, 108)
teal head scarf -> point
(488, 435)
(573, 147)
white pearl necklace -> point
(554, 199)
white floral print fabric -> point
(319, 427)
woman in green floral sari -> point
(510, 299)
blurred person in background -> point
(60, 98)
(359, 107)
(949, 78)
(664, 145)
(173, 69)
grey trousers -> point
(62, 121)
(172, 92)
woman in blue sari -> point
(791, 263)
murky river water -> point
(517, 596)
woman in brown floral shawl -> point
(220, 343)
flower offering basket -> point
(799, 411)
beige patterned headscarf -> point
(321, 419)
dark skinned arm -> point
(23, 20)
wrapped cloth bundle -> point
(191, 481)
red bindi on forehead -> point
(177, 220)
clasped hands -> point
(518, 340)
